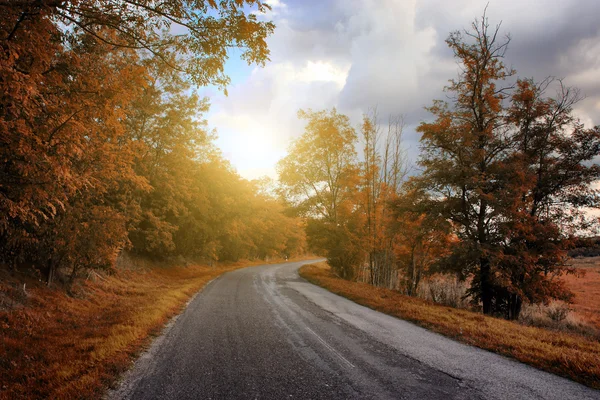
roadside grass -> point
(53, 345)
(566, 354)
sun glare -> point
(323, 71)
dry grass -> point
(57, 346)
(586, 287)
(570, 355)
(445, 290)
(557, 316)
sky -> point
(389, 54)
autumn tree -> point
(63, 149)
(165, 123)
(550, 175)
(463, 150)
(318, 177)
(72, 74)
(383, 171)
(507, 171)
(189, 36)
(422, 237)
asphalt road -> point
(265, 333)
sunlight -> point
(323, 71)
(252, 144)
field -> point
(564, 353)
(586, 288)
(57, 346)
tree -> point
(75, 76)
(550, 177)
(383, 171)
(508, 178)
(190, 36)
(318, 172)
(463, 150)
(317, 178)
(165, 124)
(421, 237)
(63, 148)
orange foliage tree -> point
(508, 178)
(100, 137)
(421, 238)
(549, 176)
(318, 179)
(382, 173)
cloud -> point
(357, 54)
(258, 120)
(393, 66)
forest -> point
(104, 146)
(501, 193)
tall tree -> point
(383, 171)
(317, 174)
(63, 148)
(318, 177)
(511, 173)
(549, 174)
(165, 123)
(463, 150)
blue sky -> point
(358, 54)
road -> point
(265, 333)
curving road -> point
(265, 333)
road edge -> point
(124, 385)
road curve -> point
(265, 333)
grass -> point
(569, 355)
(586, 289)
(73, 347)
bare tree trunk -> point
(383, 171)
(486, 284)
(50, 272)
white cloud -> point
(356, 54)
(323, 71)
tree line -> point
(103, 143)
(504, 177)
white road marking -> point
(334, 351)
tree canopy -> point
(103, 140)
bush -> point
(444, 289)
(556, 316)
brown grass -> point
(570, 355)
(586, 289)
(57, 346)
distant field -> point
(587, 289)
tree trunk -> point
(418, 278)
(486, 284)
(413, 273)
(50, 272)
(515, 305)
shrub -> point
(444, 289)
